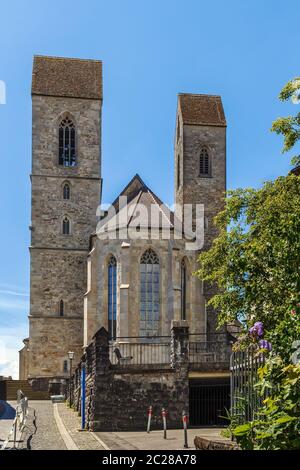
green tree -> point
(255, 263)
(289, 126)
(255, 260)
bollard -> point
(164, 417)
(83, 394)
(149, 418)
(185, 420)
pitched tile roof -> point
(60, 76)
(137, 192)
(201, 109)
(130, 216)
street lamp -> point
(71, 355)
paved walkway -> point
(84, 440)
(155, 441)
(58, 428)
(47, 436)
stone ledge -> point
(206, 444)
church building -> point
(136, 283)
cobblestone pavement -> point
(47, 435)
(83, 439)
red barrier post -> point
(185, 421)
(149, 418)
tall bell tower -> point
(200, 163)
(66, 183)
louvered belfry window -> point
(204, 169)
(67, 143)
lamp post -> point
(71, 357)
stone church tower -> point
(200, 164)
(66, 184)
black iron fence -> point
(212, 348)
(140, 350)
(156, 350)
(245, 399)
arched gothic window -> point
(204, 163)
(66, 191)
(66, 226)
(67, 143)
(149, 294)
(183, 282)
(112, 297)
(61, 308)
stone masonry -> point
(201, 123)
(117, 398)
(58, 261)
(72, 268)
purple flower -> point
(257, 329)
(264, 344)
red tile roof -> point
(201, 109)
(60, 76)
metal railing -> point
(140, 351)
(157, 350)
(245, 400)
(212, 348)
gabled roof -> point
(138, 193)
(205, 110)
(65, 77)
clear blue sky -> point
(244, 50)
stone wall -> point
(58, 261)
(208, 190)
(51, 338)
(118, 397)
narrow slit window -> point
(178, 172)
(66, 226)
(205, 164)
(61, 308)
(66, 191)
(183, 289)
(112, 298)
(65, 366)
